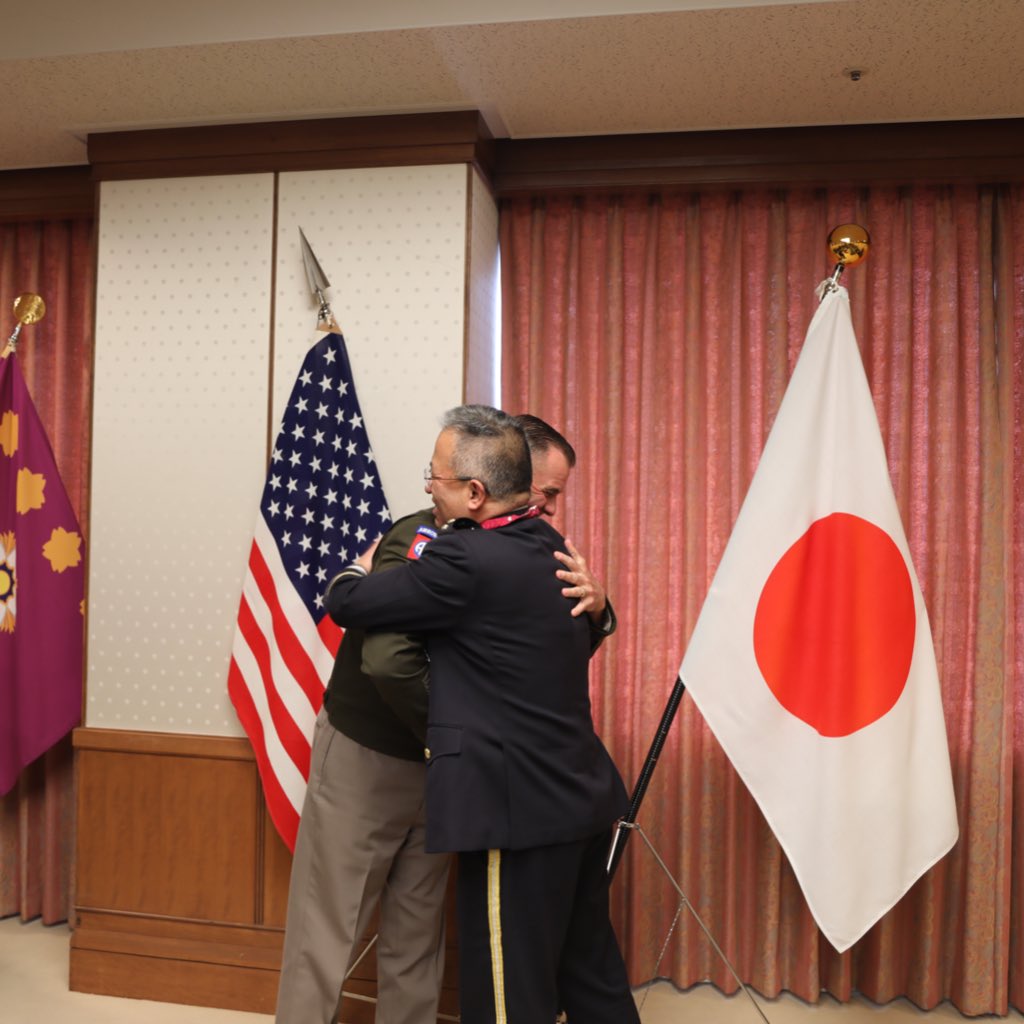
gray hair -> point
(490, 447)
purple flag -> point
(42, 587)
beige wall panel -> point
(483, 339)
(179, 443)
(392, 242)
(183, 351)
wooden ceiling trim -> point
(47, 193)
(390, 140)
(853, 154)
(947, 152)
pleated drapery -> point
(55, 260)
(658, 332)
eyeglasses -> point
(429, 477)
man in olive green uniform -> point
(360, 841)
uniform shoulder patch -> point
(424, 535)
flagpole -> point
(625, 826)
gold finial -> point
(847, 244)
(29, 308)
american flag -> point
(322, 505)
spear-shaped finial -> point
(318, 284)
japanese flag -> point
(812, 658)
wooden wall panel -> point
(167, 835)
(170, 872)
(277, 866)
(181, 880)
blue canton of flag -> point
(323, 500)
(322, 505)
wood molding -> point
(47, 193)
(393, 140)
(941, 151)
(946, 152)
(129, 741)
(199, 963)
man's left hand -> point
(581, 584)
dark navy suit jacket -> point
(513, 759)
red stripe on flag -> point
(284, 816)
(292, 738)
(331, 634)
(288, 645)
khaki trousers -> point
(360, 843)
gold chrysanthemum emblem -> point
(8, 583)
(9, 432)
(63, 550)
(30, 490)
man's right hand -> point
(582, 584)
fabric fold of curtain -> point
(658, 332)
(55, 260)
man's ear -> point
(477, 495)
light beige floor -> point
(34, 990)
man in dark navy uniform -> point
(518, 783)
(361, 837)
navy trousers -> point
(535, 937)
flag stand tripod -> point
(685, 902)
(628, 825)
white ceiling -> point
(569, 67)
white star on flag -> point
(812, 657)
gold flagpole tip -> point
(29, 308)
(849, 244)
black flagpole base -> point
(622, 831)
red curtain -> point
(659, 332)
(55, 260)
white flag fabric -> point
(812, 658)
